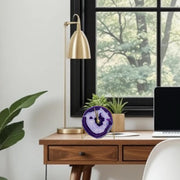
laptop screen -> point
(167, 108)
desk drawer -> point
(136, 153)
(83, 153)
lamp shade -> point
(79, 46)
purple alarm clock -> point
(97, 121)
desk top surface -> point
(66, 139)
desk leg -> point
(76, 172)
(87, 172)
(45, 171)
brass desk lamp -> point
(78, 49)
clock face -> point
(97, 121)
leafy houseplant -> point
(96, 101)
(11, 133)
(117, 108)
(2, 178)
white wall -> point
(31, 60)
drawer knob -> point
(82, 153)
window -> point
(135, 47)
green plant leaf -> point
(11, 134)
(2, 178)
(3, 116)
(25, 102)
(116, 106)
(7, 115)
(96, 101)
(12, 115)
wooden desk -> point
(82, 152)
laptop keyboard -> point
(166, 134)
(173, 133)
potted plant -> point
(11, 133)
(117, 109)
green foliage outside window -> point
(126, 49)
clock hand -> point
(97, 116)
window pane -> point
(126, 3)
(125, 54)
(170, 49)
(170, 3)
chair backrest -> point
(163, 162)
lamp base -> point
(70, 130)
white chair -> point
(163, 162)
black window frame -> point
(83, 72)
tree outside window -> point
(126, 48)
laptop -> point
(166, 112)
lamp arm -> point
(78, 22)
(65, 51)
(69, 23)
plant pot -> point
(118, 122)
